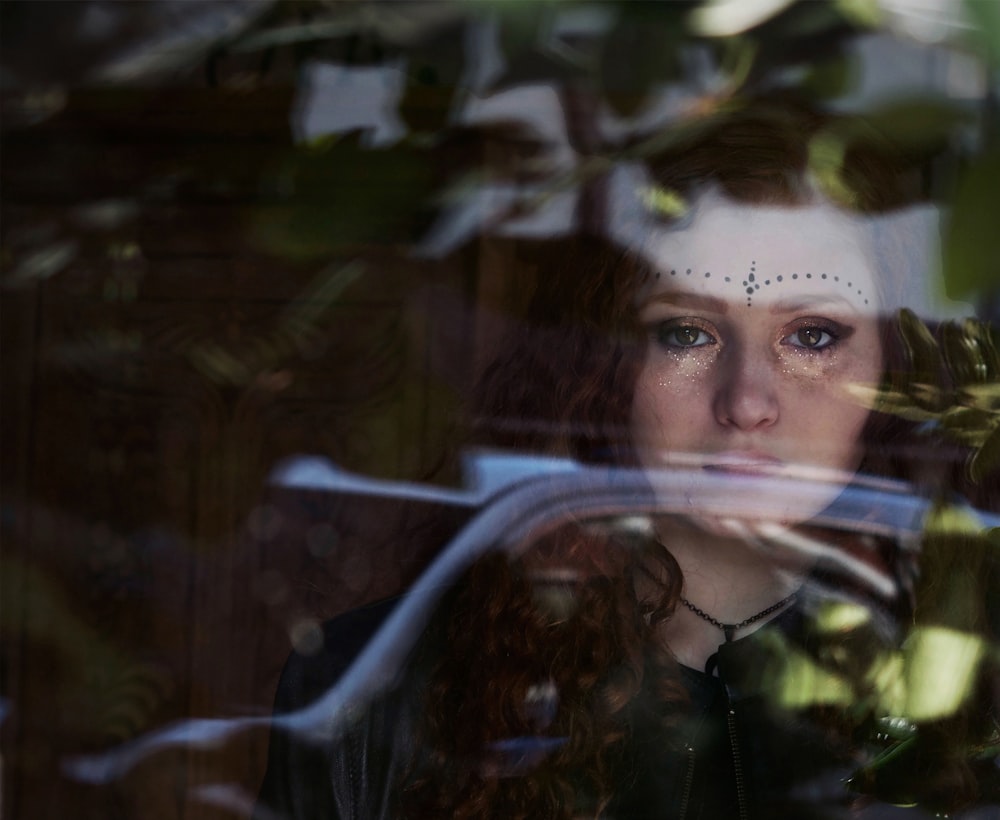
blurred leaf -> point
(805, 683)
(404, 24)
(534, 48)
(921, 348)
(433, 71)
(897, 728)
(950, 520)
(799, 36)
(502, 149)
(724, 18)
(982, 396)
(971, 261)
(866, 13)
(871, 779)
(826, 162)
(929, 396)
(956, 386)
(43, 262)
(917, 125)
(964, 354)
(941, 666)
(889, 401)
(809, 24)
(985, 15)
(651, 35)
(663, 202)
(738, 59)
(297, 33)
(968, 425)
(830, 78)
(120, 695)
(885, 677)
(344, 194)
(521, 25)
(837, 616)
(987, 458)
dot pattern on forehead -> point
(751, 284)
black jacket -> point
(732, 753)
(350, 776)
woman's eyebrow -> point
(812, 303)
(687, 299)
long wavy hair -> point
(534, 663)
(535, 659)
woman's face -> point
(759, 320)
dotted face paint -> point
(752, 283)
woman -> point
(629, 674)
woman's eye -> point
(683, 336)
(811, 338)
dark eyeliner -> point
(838, 333)
(662, 332)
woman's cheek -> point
(815, 367)
(682, 370)
(832, 373)
(670, 389)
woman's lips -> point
(742, 463)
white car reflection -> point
(522, 498)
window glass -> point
(554, 409)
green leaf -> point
(867, 13)
(941, 666)
(651, 35)
(527, 42)
(922, 349)
(928, 396)
(724, 18)
(968, 425)
(962, 354)
(982, 396)
(918, 124)
(344, 194)
(892, 402)
(831, 78)
(985, 14)
(971, 262)
(434, 70)
(987, 458)
(949, 520)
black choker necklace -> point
(730, 629)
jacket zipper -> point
(352, 776)
(741, 796)
(688, 781)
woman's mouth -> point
(743, 462)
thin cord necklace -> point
(730, 629)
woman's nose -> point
(746, 397)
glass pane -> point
(499, 409)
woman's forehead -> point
(761, 255)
